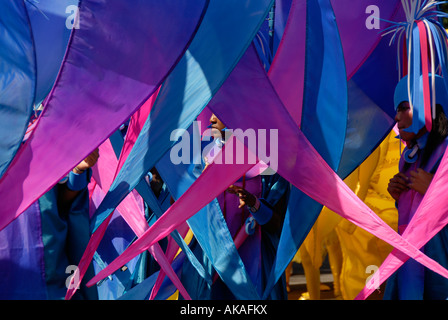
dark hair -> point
(438, 134)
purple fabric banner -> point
(22, 262)
(287, 70)
(117, 58)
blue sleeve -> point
(77, 182)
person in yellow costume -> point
(320, 241)
(353, 252)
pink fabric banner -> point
(170, 253)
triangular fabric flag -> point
(108, 73)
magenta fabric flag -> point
(117, 58)
(86, 258)
(131, 208)
(194, 199)
(430, 217)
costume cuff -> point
(263, 214)
(77, 182)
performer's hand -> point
(246, 198)
(397, 185)
(420, 180)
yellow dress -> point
(322, 240)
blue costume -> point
(258, 250)
(413, 281)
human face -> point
(217, 127)
(404, 121)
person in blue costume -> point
(418, 164)
(42, 247)
(255, 203)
